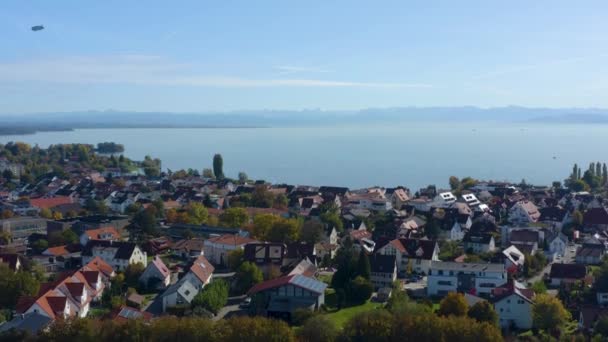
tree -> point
(556, 185)
(132, 274)
(46, 213)
(8, 174)
(601, 326)
(247, 275)
(14, 285)
(591, 179)
(363, 265)
(539, 287)
(318, 328)
(577, 185)
(235, 259)
(218, 166)
(197, 213)
(213, 297)
(577, 218)
(548, 312)
(234, 217)
(261, 197)
(262, 223)
(432, 228)
(359, 291)
(312, 231)
(208, 173)
(454, 183)
(284, 230)
(243, 178)
(69, 236)
(483, 311)
(604, 174)
(40, 245)
(453, 304)
(146, 220)
(375, 325)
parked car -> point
(245, 303)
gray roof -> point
(32, 323)
(467, 267)
(184, 288)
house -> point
(479, 242)
(554, 216)
(189, 248)
(444, 200)
(20, 228)
(567, 273)
(557, 244)
(103, 233)
(160, 245)
(362, 238)
(68, 296)
(513, 304)
(329, 246)
(282, 297)
(184, 291)
(475, 278)
(399, 197)
(59, 257)
(412, 255)
(269, 257)
(595, 219)
(97, 264)
(118, 254)
(31, 323)
(383, 270)
(461, 225)
(156, 275)
(217, 248)
(125, 313)
(12, 260)
(526, 240)
(523, 212)
(589, 315)
(591, 252)
(514, 258)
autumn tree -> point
(247, 275)
(318, 328)
(213, 297)
(483, 311)
(234, 217)
(548, 312)
(453, 304)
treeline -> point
(378, 325)
(110, 147)
(595, 177)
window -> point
(440, 272)
(444, 283)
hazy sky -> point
(226, 55)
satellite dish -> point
(37, 28)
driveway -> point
(231, 309)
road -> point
(568, 258)
(231, 309)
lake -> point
(413, 155)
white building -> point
(217, 248)
(514, 258)
(118, 254)
(513, 304)
(156, 273)
(475, 278)
(184, 291)
(444, 200)
(412, 255)
(523, 212)
(557, 244)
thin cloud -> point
(153, 70)
(290, 69)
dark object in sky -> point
(37, 28)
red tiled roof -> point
(271, 284)
(57, 251)
(360, 234)
(76, 289)
(97, 264)
(230, 239)
(160, 265)
(47, 203)
(95, 234)
(202, 269)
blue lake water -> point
(412, 155)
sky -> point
(193, 55)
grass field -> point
(340, 317)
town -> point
(95, 246)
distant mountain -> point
(29, 123)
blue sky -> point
(189, 56)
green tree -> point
(284, 230)
(146, 220)
(483, 311)
(312, 231)
(577, 218)
(454, 183)
(375, 325)
(539, 287)
(40, 246)
(218, 166)
(262, 198)
(262, 224)
(132, 274)
(234, 217)
(208, 173)
(453, 304)
(604, 174)
(601, 326)
(432, 229)
(197, 213)
(213, 297)
(235, 259)
(318, 328)
(548, 312)
(247, 275)
(577, 185)
(14, 285)
(363, 265)
(243, 178)
(359, 290)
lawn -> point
(340, 317)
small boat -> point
(37, 28)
